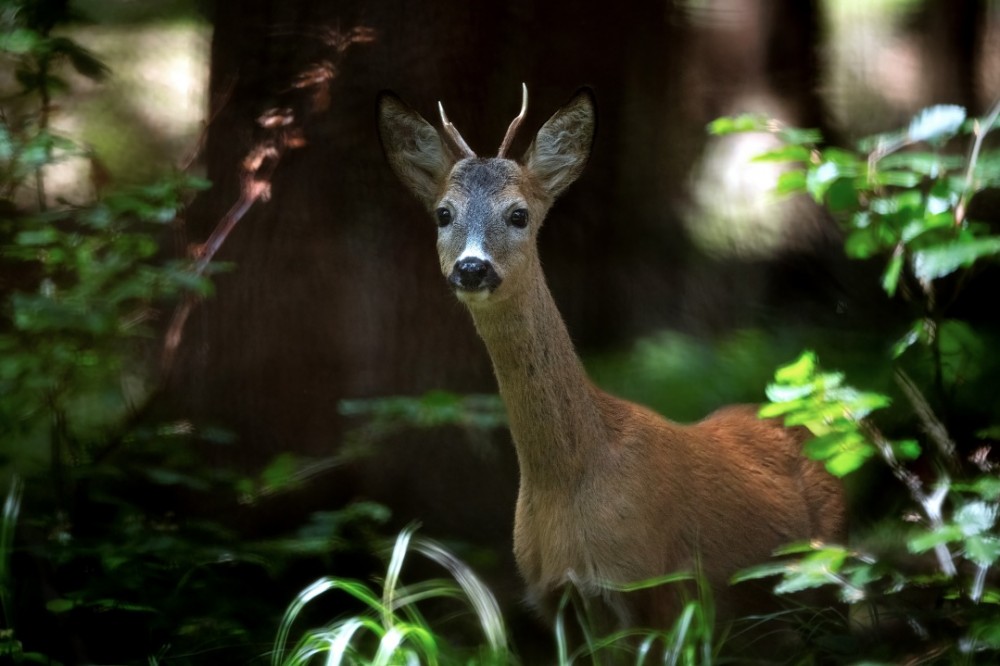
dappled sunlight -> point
(736, 212)
(872, 69)
(145, 117)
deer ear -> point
(413, 147)
(561, 148)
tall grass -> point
(392, 630)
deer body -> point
(610, 492)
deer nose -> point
(473, 274)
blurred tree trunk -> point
(952, 33)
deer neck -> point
(551, 404)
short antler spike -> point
(514, 124)
(453, 134)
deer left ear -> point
(561, 148)
(415, 150)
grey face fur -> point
(488, 210)
(490, 229)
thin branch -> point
(930, 503)
(929, 421)
(283, 132)
(980, 131)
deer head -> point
(488, 210)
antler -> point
(514, 124)
(453, 134)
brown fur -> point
(610, 491)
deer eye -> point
(519, 218)
(443, 216)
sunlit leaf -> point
(941, 260)
(750, 122)
(976, 517)
(928, 539)
(984, 550)
(937, 123)
(987, 487)
(890, 278)
(791, 182)
(799, 370)
(819, 180)
(800, 135)
(897, 178)
(862, 243)
(846, 462)
(931, 165)
(786, 153)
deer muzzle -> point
(473, 274)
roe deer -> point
(610, 492)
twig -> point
(930, 503)
(222, 230)
(932, 426)
(283, 132)
(980, 132)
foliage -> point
(98, 561)
(393, 630)
(906, 200)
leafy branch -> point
(904, 199)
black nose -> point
(473, 274)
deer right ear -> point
(413, 147)
(562, 146)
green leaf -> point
(897, 178)
(862, 243)
(941, 260)
(890, 278)
(788, 392)
(800, 370)
(932, 165)
(60, 605)
(749, 122)
(927, 539)
(910, 338)
(819, 180)
(34, 237)
(976, 517)
(842, 196)
(846, 462)
(800, 135)
(984, 550)
(906, 449)
(791, 182)
(936, 124)
(83, 61)
(987, 487)
(787, 153)
(21, 41)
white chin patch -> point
(467, 296)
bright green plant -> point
(392, 629)
(906, 199)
